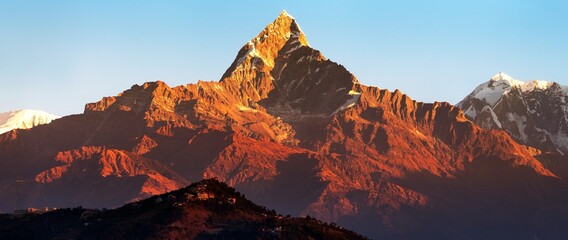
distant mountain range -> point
(24, 119)
(299, 133)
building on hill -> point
(33, 211)
(205, 195)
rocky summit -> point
(296, 132)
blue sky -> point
(58, 55)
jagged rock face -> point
(251, 70)
(279, 70)
(298, 133)
(533, 113)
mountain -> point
(299, 133)
(534, 113)
(24, 119)
(204, 210)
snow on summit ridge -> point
(524, 86)
(534, 113)
(24, 119)
(501, 84)
(501, 76)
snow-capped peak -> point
(501, 84)
(505, 79)
(524, 86)
(501, 76)
(24, 119)
(532, 112)
(535, 84)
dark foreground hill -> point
(205, 210)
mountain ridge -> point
(532, 112)
(302, 136)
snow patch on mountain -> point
(349, 102)
(246, 109)
(24, 119)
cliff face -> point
(296, 132)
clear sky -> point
(58, 55)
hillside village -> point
(206, 210)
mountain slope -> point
(24, 119)
(296, 132)
(204, 210)
(534, 113)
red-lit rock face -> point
(293, 131)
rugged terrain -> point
(296, 132)
(220, 213)
(534, 113)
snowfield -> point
(24, 119)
